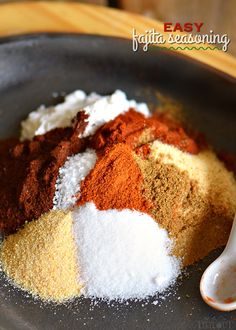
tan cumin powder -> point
(41, 257)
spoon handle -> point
(231, 244)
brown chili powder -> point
(28, 173)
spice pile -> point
(124, 198)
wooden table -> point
(31, 17)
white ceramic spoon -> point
(218, 282)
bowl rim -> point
(4, 40)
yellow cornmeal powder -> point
(41, 257)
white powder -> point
(122, 254)
(108, 108)
(75, 169)
(100, 109)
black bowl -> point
(31, 69)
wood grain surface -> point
(31, 17)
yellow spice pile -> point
(42, 257)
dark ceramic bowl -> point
(31, 69)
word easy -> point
(186, 27)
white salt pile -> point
(75, 169)
(122, 254)
(100, 109)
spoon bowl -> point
(218, 282)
